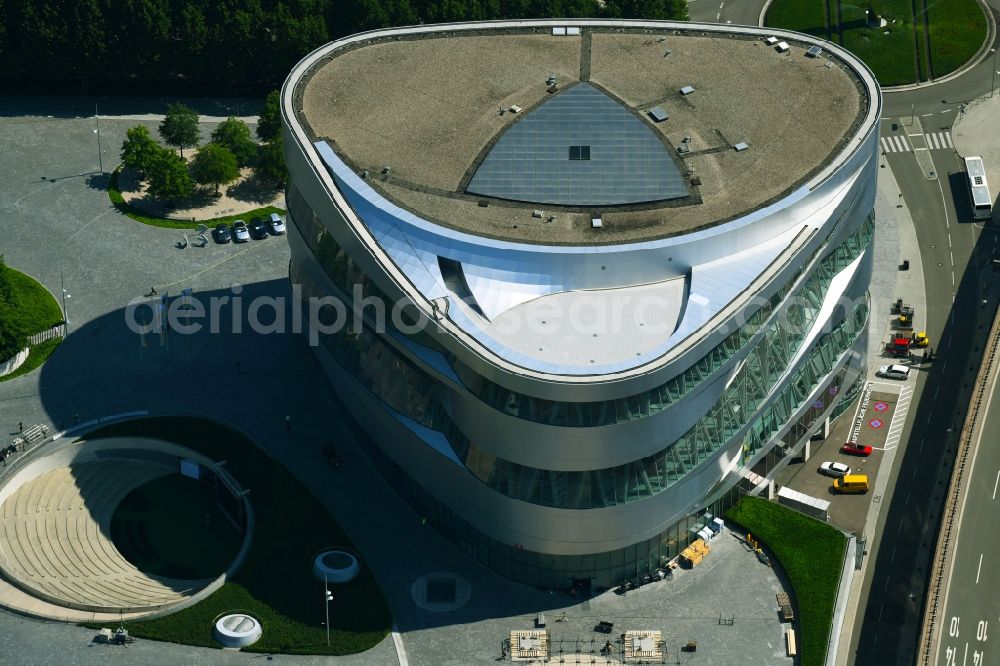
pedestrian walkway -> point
(899, 417)
(935, 141)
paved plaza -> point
(61, 228)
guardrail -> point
(942, 552)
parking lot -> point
(876, 419)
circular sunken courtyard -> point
(119, 525)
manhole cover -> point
(441, 590)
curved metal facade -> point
(552, 471)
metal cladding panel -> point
(502, 274)
(579, 148)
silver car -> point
(276, 223)
(240, 232)
(834, 469)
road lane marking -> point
(893, 556)
(979, 568)
(936, 391)
(886, 586)
(922, 446)
(880, 609)
(952, 255)
(906, 502)
(949, 241)
(995, 484)
(900, 527)
(953, 283)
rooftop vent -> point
(559, 31)
(814, 51)
(696, 180)
(770, 41)
(687, 90)
(596, 222)
(741, 146)
(536, 213)
(782, 47)
(579, 152)
(572, 31)
(514, 108)
(484, 203)
(658, 114)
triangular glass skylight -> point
(579, 148)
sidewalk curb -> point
(763, 12)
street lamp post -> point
(100, 157)
(328, 597)
(62, 285)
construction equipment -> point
(904, 314)
(898, 347)
(920, 340)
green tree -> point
(234, 134)
(168, 177)
(214, 165)
(269, 123)
(271, 162)
(139, 149)
(180, 127)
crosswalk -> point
(898, 143)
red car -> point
(856, 449)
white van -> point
(894, 372)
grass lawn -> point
(36, 309)
(131, 211)
(33, 310)
(275, 584)
(38, 355)
(808, 16)
(811, 554)
(958, 28)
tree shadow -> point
(254, 189)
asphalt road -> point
(971, 607)
(888, 630)
(737, 12)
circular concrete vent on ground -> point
(335, 566)
(440, 592)
(237, 630)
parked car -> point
(851, 483)
(240, 232)
(277, 224)
(258, 230)
(834, 469)
(852, 449)
(222, 234)
(894, 372)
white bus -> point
(979, 189)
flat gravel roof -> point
(431, 107)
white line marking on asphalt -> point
(966, 654)
(886, 586)
(932, 140)
(946, 111)
(397, 640)
(995, 484)
(936, 391)
(953, 282)
(952, 255)
(949, 241)
(718, 16)
(979, 568)
(947, 136)
(893, 556)
(906, 502)
(922, 446)
(880, 609)
(944, 365)
(926, 115)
